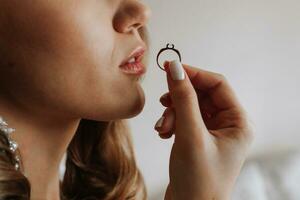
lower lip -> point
(136, 68)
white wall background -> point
(254, 43)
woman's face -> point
(64, 56)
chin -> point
(137, 107)
(136, 112)
(125, 108)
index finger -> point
(215, 85)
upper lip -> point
(137, 53)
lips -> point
(137, 54)
(133, 63)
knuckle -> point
(220, 77)
(184, 94)
(248, 131)
(249, 134)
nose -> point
(132, 14)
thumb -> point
(184, 98)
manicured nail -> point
(159, 123)
(177, 71)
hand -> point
(212, 134)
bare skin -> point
(212, 135)
(59, 63)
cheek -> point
(84, 86)
(73, 67)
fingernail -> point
(176, 70)
(159, 123)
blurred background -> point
(256, 45)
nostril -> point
(135, 26)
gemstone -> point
(9, 130)
(17, 166)
(17, 158)
(3, 129)
(13, 146)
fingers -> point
(215, 84)
(165, 125)
(166, 100)
(198, 99)
(222, 103)
(184, 101)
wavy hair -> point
(100, 163)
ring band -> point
(164, 49)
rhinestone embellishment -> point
(13, 146)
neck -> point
(42, 141)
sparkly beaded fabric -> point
(8, 146)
